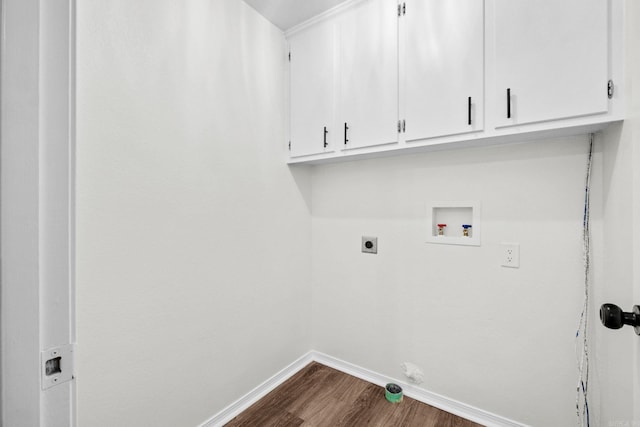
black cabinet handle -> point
(346, 128)
(509, 103)
(469, 112)
(325, 137)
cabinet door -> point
(368, 69)
(312, 89)
(550, 59)
(443, 67)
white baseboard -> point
(436, 400)
(240, 405)
(441, 402)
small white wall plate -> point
(57, 366)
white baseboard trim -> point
(436, 400)
(240, 405)
(441, 402)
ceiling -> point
(286, 14)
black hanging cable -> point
(582, 344)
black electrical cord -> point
(582, 344)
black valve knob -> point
(613, 317)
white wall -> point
(619, 351)
(612, 379)
(496, 338)
(633, 73)
(195, 240)
(193, 236)
(19, 213)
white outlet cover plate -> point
(510, 253)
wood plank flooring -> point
(319, 396)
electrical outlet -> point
(369, 245)
(510, 255)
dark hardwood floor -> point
(319, 396)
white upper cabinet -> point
(550, 60)
(442, 65)
(368, 73)
(312, 90)
(386, 75)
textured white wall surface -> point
(618, 352)
(497, 338)
(633, 73)
(202, 269)
(19, 210)
(193, 237)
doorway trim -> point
(37, 125)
